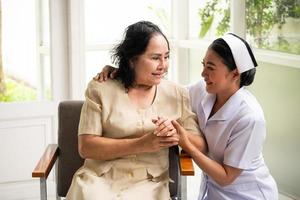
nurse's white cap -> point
(241, 51)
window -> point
(208, 19)
(25, 68)
(274, 25)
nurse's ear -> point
(235, 75)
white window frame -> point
(59, 49)
(41, 50)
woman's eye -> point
(155, 58)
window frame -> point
(43, 50)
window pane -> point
(195, 64)
(274, 25)
(23, 77)
(95, 61)
(105, 21)
(208, 19)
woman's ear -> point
(131, 63)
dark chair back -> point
(69, 160)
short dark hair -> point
(135, 42)
(223, 50)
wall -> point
(277, 88)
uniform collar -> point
(227, 110)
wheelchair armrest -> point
(46, 162)
(186, 164)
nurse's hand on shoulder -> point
(107, 72)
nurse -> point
(233, 124)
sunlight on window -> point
(20, 57)
(106, 21)
(95, 61)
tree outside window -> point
(271, 24)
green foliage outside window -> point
(16, 91)
(261, 18)
(209, 12)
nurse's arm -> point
(222, 174)
(198, 141)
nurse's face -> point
(152, 65)
(217, 76)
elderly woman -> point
(123, 132)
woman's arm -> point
(102, 148)
(222, 174)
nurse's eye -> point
(155, 58)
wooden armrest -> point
(46, 162)
(186, 164)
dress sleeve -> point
(90, 117)
(245, 143)
(188, 118)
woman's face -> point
(152, 65)
(217, 76)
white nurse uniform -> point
(235, 136)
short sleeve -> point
(245, 143)
(189, 118)
(196, 93)
(90, 117)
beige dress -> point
(108, 112)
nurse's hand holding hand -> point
(164, 136)
(164, 127)
(221, 173)
(184, 140)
